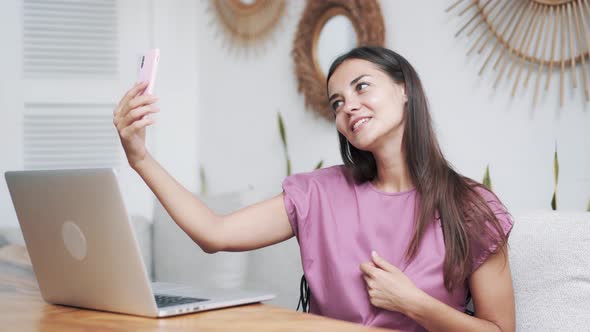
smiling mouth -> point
(357, 126)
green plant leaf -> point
(555, 166)
(284, 140)
(555, 178)
(282, 131)
(487, 181)
(203, 180)
(319, 165)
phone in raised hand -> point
(148, 69)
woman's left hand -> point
(388, 287)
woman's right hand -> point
(130, 118)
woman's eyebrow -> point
(353, 82)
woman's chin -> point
(363, 145)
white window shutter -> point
(70, 136)
(70, 38)
(69, 42)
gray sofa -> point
(176, 258)
(550, 261)
(549, 256)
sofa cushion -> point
(177, 258)
(11, 235)
(550, 262)
(142, 228)
(275, 269)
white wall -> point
(176, 138)
(240, 95)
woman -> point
(393, 238)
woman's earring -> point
(348, 150)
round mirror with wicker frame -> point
(366, 18)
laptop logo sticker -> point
(74, 240)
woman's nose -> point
(352, 105)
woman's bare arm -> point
(253, 227)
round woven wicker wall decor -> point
(247, 23)
(366, 18)
(530, 38)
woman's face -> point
(368, 105)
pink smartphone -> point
(148, 69)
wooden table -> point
(23, 309)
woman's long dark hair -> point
(464, 214)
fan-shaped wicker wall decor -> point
(530, 36)
(366, 18)
(247, 23)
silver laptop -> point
(84, 252)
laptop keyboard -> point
(171, 300)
